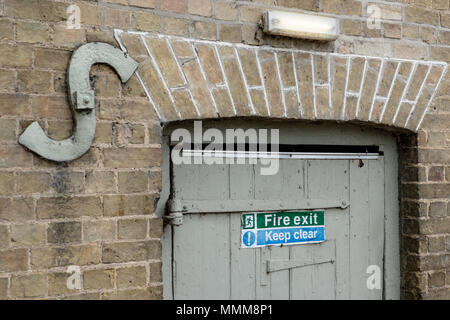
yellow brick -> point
(230, 33)
(52, 59)
(6, 30)
(117, 18)
(131, 277)
(15, 56)
(132, 229)
(28, 234)
(200, 7)
(7, 183)
(33, 182)
(71, 38)
(143, 3)
(205, 30)
(173, 6)
(421, 15)
(33, 32)
(34, 81)
(98, 279)
(132, 182)
(28, 286)
(345, 7)
(99, 230)
(147, 21)
(176, 26)
(226, 10)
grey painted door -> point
(203, 258)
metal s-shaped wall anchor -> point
(81, 97)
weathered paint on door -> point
(203, 258)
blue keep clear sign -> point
(282, 228)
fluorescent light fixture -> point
(299, 25)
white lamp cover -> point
(299, 25)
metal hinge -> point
(217, 206)
(174, 218)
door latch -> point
(278, 265)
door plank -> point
(392, 230)
(166, 241)
(269, 187)
(324, 274)
(376, 219)
(301, 279)
(242, 182)
(279, 280)
(293, 179)
(202, 253)
(213, 182)
(242, 264)
(262, 277)
(184, 177)
(359, 229)
(330, 179)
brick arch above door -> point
(197, 79)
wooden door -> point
(203, 258)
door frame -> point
(391, 273)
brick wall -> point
(97, 212)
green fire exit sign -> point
(282, 228)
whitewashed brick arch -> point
(192, 79)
